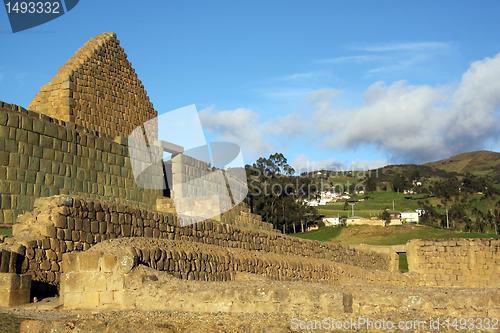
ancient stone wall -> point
(42, 156)
(99, 90)
(112, 275)
(193, 177)
(392, 250)
(239, 215)
(64, 224)
(456, 262)
(97, 280)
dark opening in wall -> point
(167, 176)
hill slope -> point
(479, 163)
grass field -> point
(375, 204)
(9, 324)
(6, 232)
(378, 235)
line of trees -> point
(278, 196)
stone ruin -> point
(83, 229)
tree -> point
(370, 184)
(386, 217)
(399, 183)
(277, 195)
(415, 175)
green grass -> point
(323, 234)
(6, 232)
(375, 204)
(378, 235)
(9, 324)
(403, 262)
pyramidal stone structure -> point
(99, 90)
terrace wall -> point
(473, 263)
(65, 224)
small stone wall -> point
(392, 250)
(14, 289)
(468, 263)
(94, 280)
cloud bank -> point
(410, 123)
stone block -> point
(70, 262)
(14, 289)
(60, 221)
(106, 297)
(108, 263)
(124, 300)
(115, 282)
(89, 261)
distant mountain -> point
(479, 163)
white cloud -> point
(303, 76)
(20, 77)
(302, 163)
(357, 59)
(393, 57)
(413, 46)
(287, 93)
(419, 123)
(240, 126)
(410, 123)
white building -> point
(409, 216)
(312, 203)
(331, 220)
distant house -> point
(353, 220)
(331, 220)
(410, 216)
(312, 203)
(356, 220)
(396, 218)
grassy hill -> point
(479, 163)
(391, 235)
(375, 203)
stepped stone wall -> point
(42, 156)
(99, 90)
(63, 224)
(456, 262)
(239, 215)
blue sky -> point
(328, 83)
